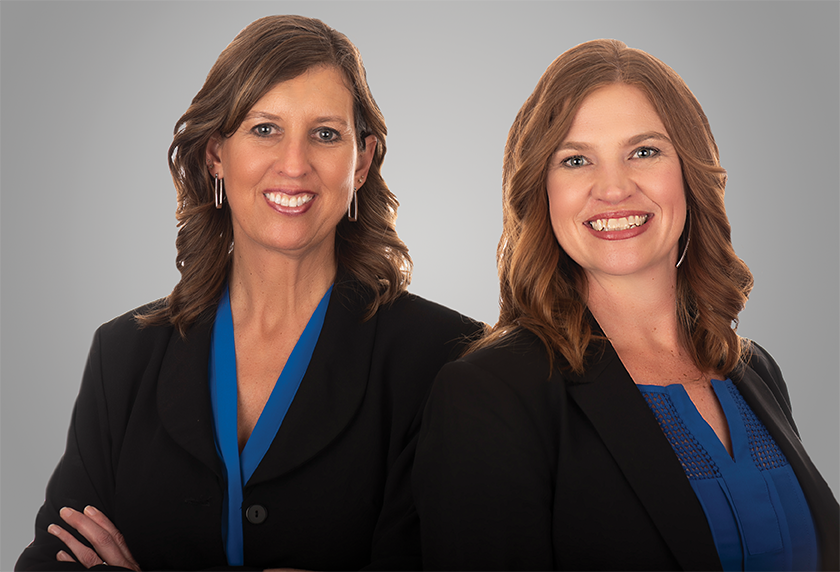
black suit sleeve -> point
(417, 344)
(483, 475)
(85, 474)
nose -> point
(613, 183)
(292, 157)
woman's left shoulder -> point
(759, 360)
(414, 316)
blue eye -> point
(263, 129)
(575, 162)
(328, 135)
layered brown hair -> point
(269, 51)
(542, 289)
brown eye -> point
(645, 152)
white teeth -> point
(622, 223)
(285, 200)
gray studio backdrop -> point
(91, 92)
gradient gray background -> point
(91, 91)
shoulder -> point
(519, 356)
(412, 313)
(501, 397)
(411, 325)
(515, 370)
(762, 363)
(123, 345)
(413, 330)
(126, 328)
(124, 355)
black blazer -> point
(521, 467)
(334, 483)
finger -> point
(98, 517)
(64, 557)
(83, 554)
(103, 542)
(106, 539)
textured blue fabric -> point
(755, 507)
(223, 396)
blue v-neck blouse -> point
(239, 466)
(756, 510)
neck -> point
(638, 309)
(271, 289)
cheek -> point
(562, 208)
(674, 191)
(241, 167)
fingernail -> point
(62, 556)
(53, 529)
(91, 511)
(64, 510)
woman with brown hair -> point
(613, 419)
(265, 413)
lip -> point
(289, 210)
(618, 234)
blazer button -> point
(256, 514)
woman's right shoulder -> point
(517, 363)
(127, 325)
(125, 342)
(507, 392)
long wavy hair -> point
(269, 51)
(542, 289)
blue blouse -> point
(755, 507)
(223, 396)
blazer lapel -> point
(183, 394)
(615, 407)
(819, 496)
(331, 390)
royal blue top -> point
(223, 396)
(755, 507)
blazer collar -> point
(329, 395)
(610, 399)
(183, 393)
(331, 390)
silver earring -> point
(687, 239)
(218, 190)
(354, 205)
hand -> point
(109, 546)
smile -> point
(285, 200)
(612, 224)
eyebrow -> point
(271, 117)
(635, 140)
(655, 135)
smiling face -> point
(291, 166)
(615, 186)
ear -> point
(365, 158)
(213, 155)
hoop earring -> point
(687, 239)
(218, 190)
(354, 205)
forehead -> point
(319, 90)
(616, 110)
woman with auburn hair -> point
(265, 413)
(613, 419)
